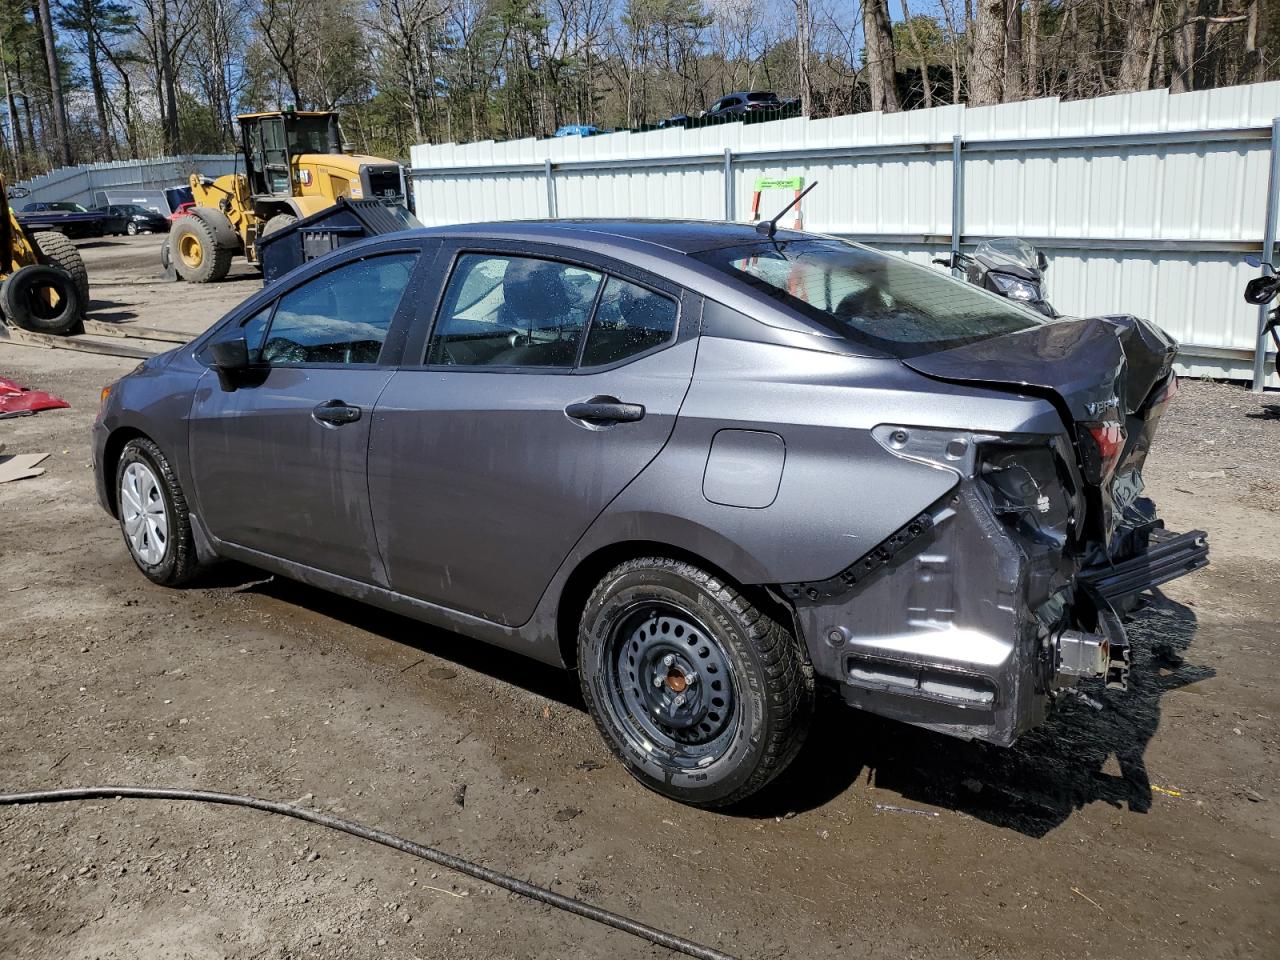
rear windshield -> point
(762, 96)
(899, 307)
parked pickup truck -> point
(65, 217)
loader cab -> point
(272, 142)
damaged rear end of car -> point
(1000, 597)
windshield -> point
(899, 307)
(309, 134)
(1009, 250)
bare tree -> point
(61, 131)
(1013, 85)
(878, 29)
(986, 64)
(804, 44)
(922, 63)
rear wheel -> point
(701, 694)
(56, 250)
(153, 515)
(196, 252)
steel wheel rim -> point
(670, 686)
(190, 250)
(143, 513)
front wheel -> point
(196, 252)
(702, 695)
(131, 229)
(153, 515)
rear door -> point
(546, 385)
(279, 465)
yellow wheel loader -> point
(45, 285)
(294, 166)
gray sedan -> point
(707, 469)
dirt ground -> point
(1149, 829)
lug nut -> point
(679, 700)
(657, 681)
(689, 678)
(669, 659)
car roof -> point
(664, 248)
(619, 236)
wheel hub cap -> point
(143, 514)
(190, 250)
(673, 678)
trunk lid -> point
(1098, 371)
(1079, 364)
(1095, 369)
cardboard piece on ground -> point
(21, 466)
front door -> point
(279, 464)
(547, 388)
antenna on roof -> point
(767, 228)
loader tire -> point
(57, 251)
(278, 222)
(196, 252)
(42, 298)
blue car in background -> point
(577, 130)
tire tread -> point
(789, 677)
(185, 564)
(58, 251)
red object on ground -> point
(16, 399)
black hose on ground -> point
(506, 882)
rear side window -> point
(513, 312)
(341, 316)
(629, 320)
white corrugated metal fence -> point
(1145, 203)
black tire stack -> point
(50, 296)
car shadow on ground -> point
(1033, 787)
(538, 678)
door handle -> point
(335, 412)
(605, 411)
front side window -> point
(513, 312)
(899, 307)
(341, 316)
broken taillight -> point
(1165, 393)
(1102, 455)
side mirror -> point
(1042, 262)
(1261, 290)
(230, 361)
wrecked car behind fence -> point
(703, 468)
